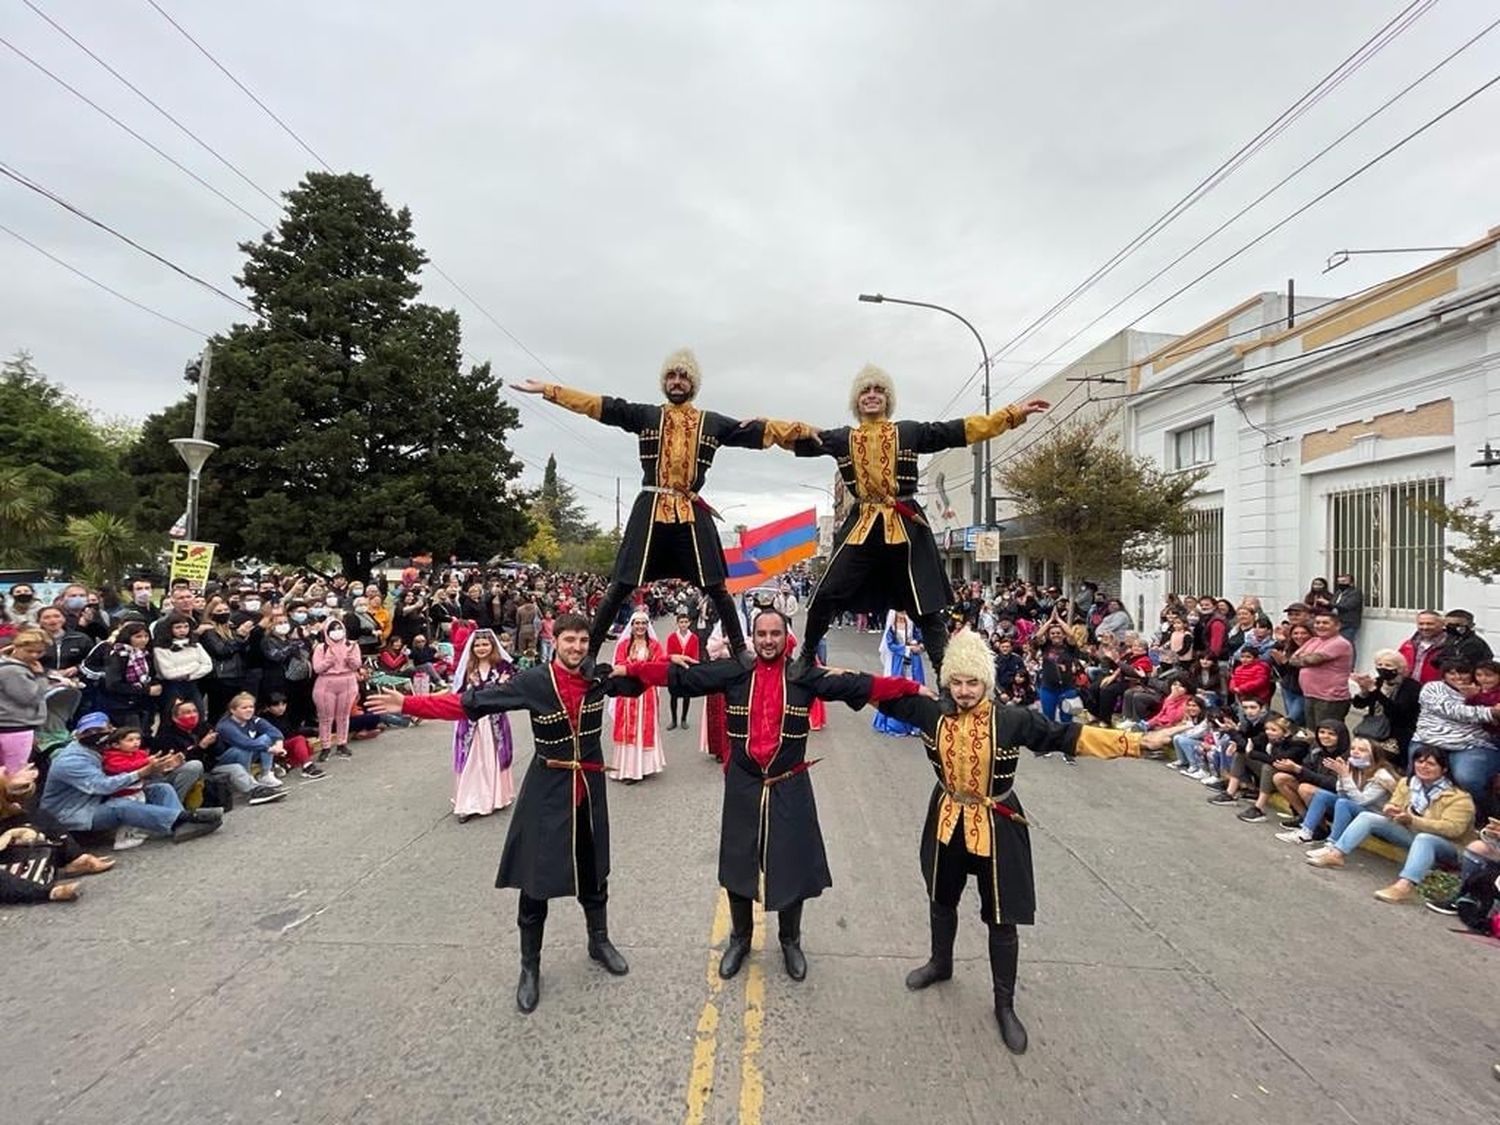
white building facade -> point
(948, 480)
(1322, 440)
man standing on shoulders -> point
(558, 842)
(975, 822)
(671, 533)
(1326, 662)
(885, 555)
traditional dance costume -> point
(897, 658)
(482, 748)
(637, 719)
(670, 532)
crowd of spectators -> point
(1279, 717)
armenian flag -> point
(744, 574)
(779, 545)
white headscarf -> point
(461, 670)
(887, 657)
(622, 647)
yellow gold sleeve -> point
(580, 402)
(787, 434)
(977, 427)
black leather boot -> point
(601, 949)
(529, 987)
(789, 930)
(1005, 948)
(742, 915)
(944, 923)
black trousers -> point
(954, 866)
(593, 892)
(673, 698)
(863, 573)
(742, 913)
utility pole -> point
(617, 506)
(195, 450)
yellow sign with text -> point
(191, 562)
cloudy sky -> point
(612, 181)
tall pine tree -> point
(346, 420)
(560, 504)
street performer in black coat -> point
(770, 847)
(558, 842)
(885, 554)
(975, 823)
(671, 533)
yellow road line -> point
(701, 1077)
(752, 1085)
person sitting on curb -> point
(1279, 754)
(1313, 774)
(1248, 735)
(1428, 814)
(187, 734)
(246, 739)
(1364, 780)
(80, 795)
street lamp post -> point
(195, 450)
(982, 463)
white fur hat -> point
(685, 361)
(968, 655)
(870, 375)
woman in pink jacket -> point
(336, 663)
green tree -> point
(1478, 556)
(1092, 507)
(346, 420)
(52, 436)
(560, 503)
(27, 523)
(542, 548)
(105, 546)
(595, 555)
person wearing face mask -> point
(1391, 692)
(140, 600)
(336, 663)
(284, 657)
(23, 605)
(181, 663)
(1468, 645)
(226, 642)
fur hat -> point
(870, 375)
(685, 361)
(968, 655)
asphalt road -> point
(343, 957)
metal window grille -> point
(1197, 565)
(1393, 549)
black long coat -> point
(540, 856)
(770, 846)
(706, 566)
(1011, 728)
(925, 587)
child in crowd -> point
(245, 739)
(1364, 779)
(123, 752)
(1192, 745)
(1278, 752)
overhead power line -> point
(32, 185)
(287, 129)
(1324, 151)
(92, 280)
(168, 157)
(204, 145)
(1355, 61)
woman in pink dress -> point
(637, 731)
(482, 748)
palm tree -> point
(27, 522)
(103, 546)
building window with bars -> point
(1197, 556)
(1193, 446)
(1392, 548)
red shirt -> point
(676, 645)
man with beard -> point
(975, 823)
(558, 841)
(671, 533)
(885, 551)
(770, 847)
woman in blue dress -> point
(901, 654)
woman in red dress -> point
(637, 720)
